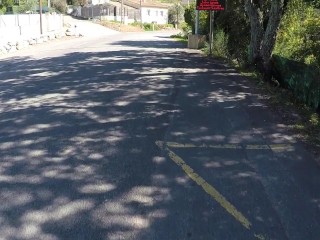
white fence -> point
(23, 26)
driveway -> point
(88, 28)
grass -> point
(180, 38)
(121, 27)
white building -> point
(97, 2)
(151, 12)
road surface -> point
(132, 136)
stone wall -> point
(20, 31)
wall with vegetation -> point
(296, 55)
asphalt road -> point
(132, 136)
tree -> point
(265, 17)
(59, 5)
(175, 14)
(189, 17)
(299, 35)
(4, 4)
(26, 5)
(236, 25)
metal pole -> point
(141, 14)
(210, 34)
(122, 21)
(212, 27)
(40, 11)
(197, 23)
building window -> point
(148, 12)
(157, 13)
(161, 13)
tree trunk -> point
(270, 35)
(256, 24)
(263, 41)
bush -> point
(236, 25)
(189, 16)
(220, 44)
(186, 29)
(60, 5)
(150, 27)
(302, 79)
(299, 35)
(26, 6)
(296, 57)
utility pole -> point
(122, 21)
(197, 22)
(211, 31)
(141, 14)
(40, 11)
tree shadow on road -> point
(77, 141)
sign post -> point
(211, 6)
(197, 23)
(211, 31)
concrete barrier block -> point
(196, 41)
(22, 44)
(32, 41)
(7, 47)
(12, 50)
(58, 35)
(45, 38)
(3, 50)
(39, 40)
(51, 35)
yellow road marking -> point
(282, 147)
(209, 189)
(189, 145)
(273, 147)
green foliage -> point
(135, 24)
(176, 14)
(4, 5)
(77, 2)
(189, 17)
(180, 37)
(27, 6)
(220, 44)
(186, 29)
(153, 26)
(235, 24)
(315, 3)
(3, 9)
(60, 5)
(299, 35)
(301, 78)
(297, 52)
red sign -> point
(213, 5)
